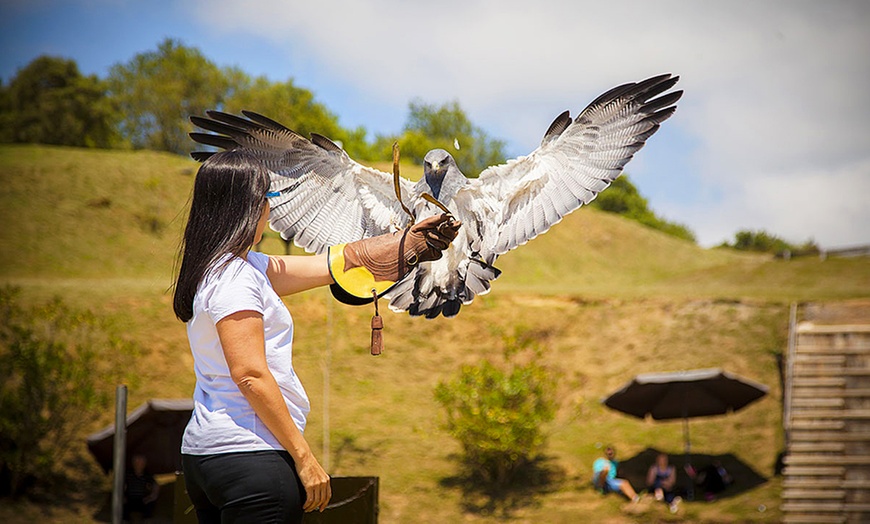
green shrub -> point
(497, 413)
(764, 242)
(57, 367)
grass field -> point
(605, 298)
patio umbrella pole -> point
(118, 453)
(690, 486)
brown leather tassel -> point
(377, 329)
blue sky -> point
(771, 134)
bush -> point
(497, 413)
(763, 242)
(57, 367)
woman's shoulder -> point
(260, 261)
(232, 269)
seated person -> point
(661, 479)
(604, 476)
(712, 478)
(140, 489)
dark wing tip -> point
(559, 125)
(325, 143)
(201, 156)
(214, 140)
(265, 121)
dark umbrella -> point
(685, 394)
(154, 430)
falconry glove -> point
(368, 268)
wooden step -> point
(805, 402)
(830, 350)
(803, 447)
(814, 507)
(823, 382)
(832, 414)
(856, 372)
(856, 392)
(808, 372)
(844, 393)
(814, 494)
(830, 360)
(823, 483)
(804, 392)
(825, 460)
(813, 519)
(855, 484)
(816, 425)
(812, 483)
(826, 507)
(832, 329)
(815, 471)
(828, 436)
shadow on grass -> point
(744, 477)
(538, 477)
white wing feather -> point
(326, 198)
(574, 164)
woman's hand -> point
(316, 482)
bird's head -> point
(436, 164)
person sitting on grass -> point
(712, 479)
(140, 489)
(661, 479)
(604, 476)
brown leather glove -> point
(392, 256)
(386, 259)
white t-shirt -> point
(223, 420)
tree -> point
(51, 102)
(157, 92)
(764, 242)
(58, 366)
(430, 127)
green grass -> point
(606, 298)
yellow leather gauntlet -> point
(373, 265)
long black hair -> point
(228, 198)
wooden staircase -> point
(827, 422)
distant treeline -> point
(146, 102)
(764, 242)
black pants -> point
(255, 487)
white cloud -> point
(776, 100)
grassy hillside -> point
(605, 297)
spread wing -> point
(575, 161)
(325, 197)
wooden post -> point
(119, 453)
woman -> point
(661, 479)
(244, 455)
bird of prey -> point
(323, 197)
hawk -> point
(322, 197)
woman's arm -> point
(650, 475)
(295, 273)
(241, 335)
